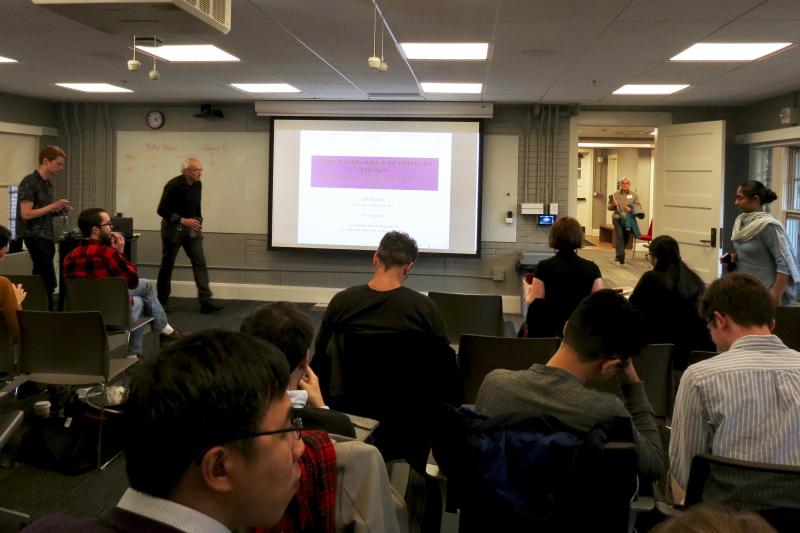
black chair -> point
(397, 379)
(69, 348)
(528, 472)
(770, 490)
(787, 326)
(476, 314)
(110, 297)
(9, 422)
(479, 354)
(36, 300)
(654, 367)
(700, 355)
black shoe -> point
(175, 335)
(621, 260)
(210, 307)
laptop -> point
(122, 225)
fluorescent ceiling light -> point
(728, 51)
(614, 145)
(265, 87)
(456, 51)
(649, 89)
(462, 88)
(7, 60)
(94, 87)
(188, 52)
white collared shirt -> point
(170, 513)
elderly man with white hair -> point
(182, 227)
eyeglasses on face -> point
(296, 426)
(105, 224)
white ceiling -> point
(553, 51)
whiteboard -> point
(235, 176)
(18, 157)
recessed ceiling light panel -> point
(452, 51)
(728, 51)
(459, 88)
(265, 87)
(188, 53)
(7, 60)
(650, 89)
(94, 87)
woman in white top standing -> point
(762, 248)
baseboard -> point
(289, 293)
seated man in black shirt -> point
(380, 345)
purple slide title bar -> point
(357, 172)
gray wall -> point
(88, 135)
(24, 110)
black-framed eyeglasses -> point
(296, 425)
(105, 224)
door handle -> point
(712, 242)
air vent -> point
(155, 17)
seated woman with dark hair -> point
(11, 296)
(667, 296)
(561, 282)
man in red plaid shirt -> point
(100, 255)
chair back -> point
(107, 295)
(36, 300)
(769, 489)
(700, 355)
(476, 314)
(480, 354)
(529, 472)
(6, 348)
(63, 343)
(395, 378)
(654, 367)
(787, 320)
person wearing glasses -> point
(626, 207)
(667, 296)
(100, 255)
(213, 444)
(743, 403)
(182, 227)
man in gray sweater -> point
(599, 340)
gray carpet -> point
(41, 492)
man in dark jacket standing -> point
(182, 226)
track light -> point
(134, 63)
(374, 61)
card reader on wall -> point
(531, 209)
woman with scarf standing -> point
(762, 248)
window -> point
(778, 167)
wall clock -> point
(155, 119)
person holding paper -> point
(623, 202)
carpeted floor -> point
(41, 492)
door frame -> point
(633, 119)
